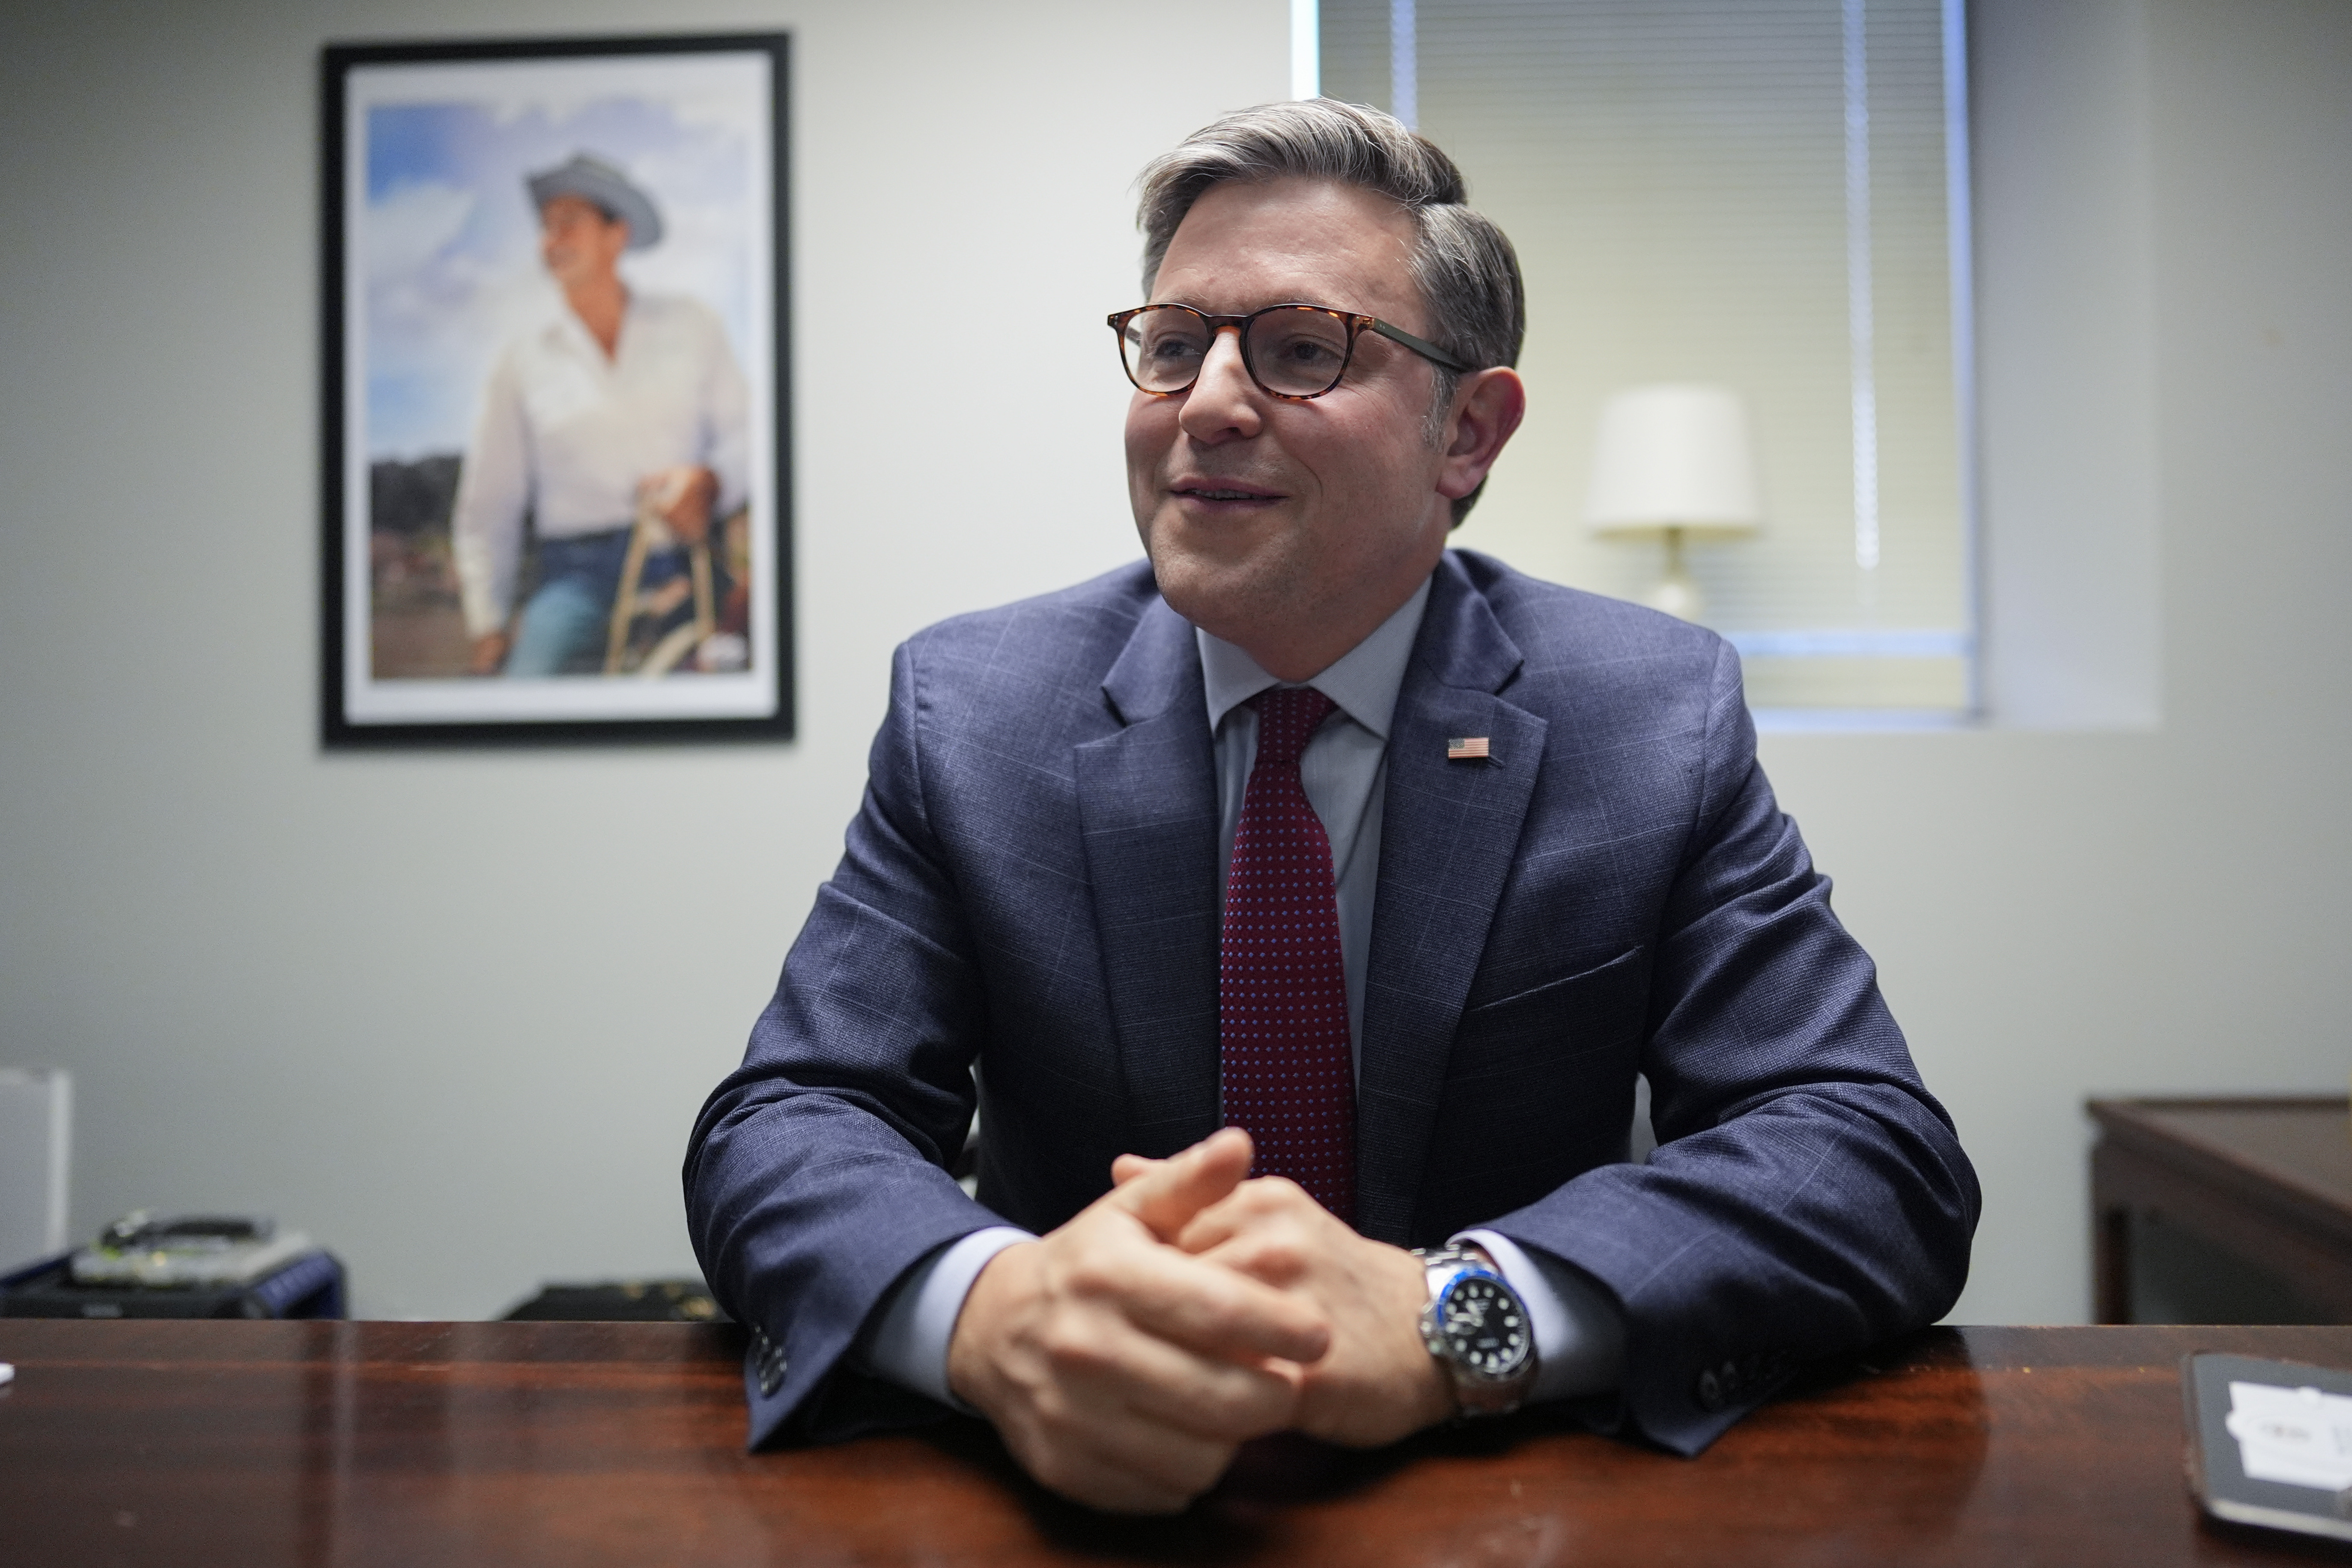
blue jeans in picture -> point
(565, 626)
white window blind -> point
(1758, 193)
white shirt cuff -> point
(909, 1343)
(1580, 1332)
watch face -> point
(1485, 1330)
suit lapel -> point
(1148, 809)
(1449, 836)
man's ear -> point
(1487, 407)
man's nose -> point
(1224, 401)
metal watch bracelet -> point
(1481, 1387)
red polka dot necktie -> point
(1289, 1077)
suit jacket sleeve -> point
(1809, 1197)
(817, 1176)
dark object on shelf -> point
(198, 1252)
(622, 1301)
(2267, 1181)
(307, 1286)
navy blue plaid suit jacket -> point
(1031, 884)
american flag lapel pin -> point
(1467, 748)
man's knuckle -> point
(1280, 1255)
(1071, 1348)
(1266, 1249)
(1091, 1275)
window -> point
(1763, 195)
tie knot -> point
(1287, 716)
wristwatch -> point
(1476, 1327)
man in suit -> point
(1397, 866)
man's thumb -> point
(1165, 1194)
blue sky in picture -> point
(447, 240)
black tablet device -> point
(2270, 1442)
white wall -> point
(453, 1013)
(2066, 261)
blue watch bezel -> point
(1519, 1363)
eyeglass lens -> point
(1295, 350)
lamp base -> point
(1678, 596)
(1676, 593)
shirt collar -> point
(565, 323)
(1363, 681)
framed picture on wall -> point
(557, 467)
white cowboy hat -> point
(593, 180)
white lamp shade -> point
(1673, 456)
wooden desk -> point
(450, 1444)
(2267, 1180)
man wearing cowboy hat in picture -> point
(618, 396)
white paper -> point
(2300, 1437)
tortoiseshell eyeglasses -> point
(1292, 352)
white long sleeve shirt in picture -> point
(566, 434)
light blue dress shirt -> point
(1580, 1334)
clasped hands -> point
(1125, 1356)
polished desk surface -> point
(262, 1444)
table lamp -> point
(1674, 458)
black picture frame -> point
(385, 679)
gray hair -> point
(1464, 267)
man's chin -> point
(1224, 597)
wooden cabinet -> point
(2269, 1181)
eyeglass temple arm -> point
(1421, 346)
